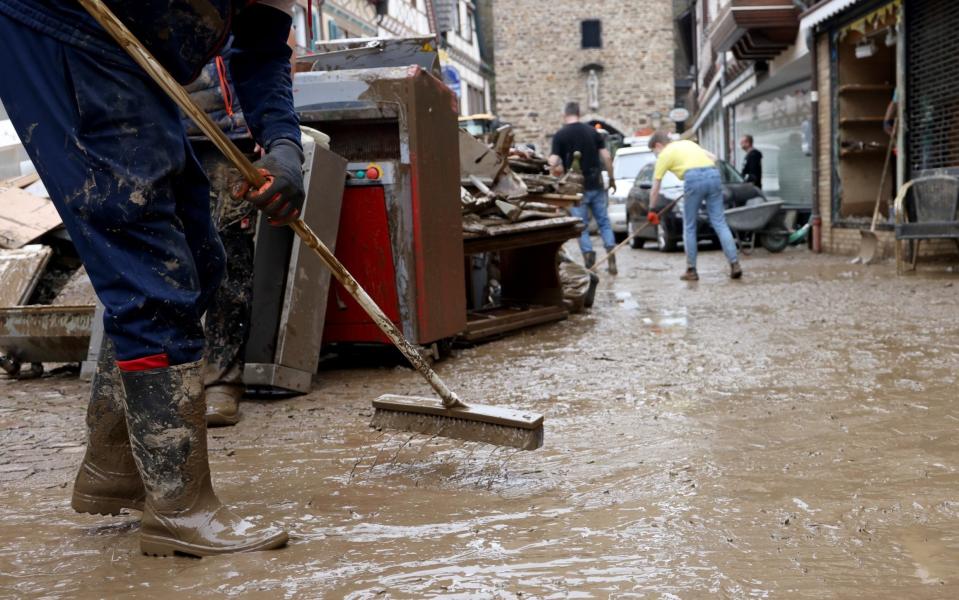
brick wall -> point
(539, 60)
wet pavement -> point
(791, 435)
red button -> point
(373, 173)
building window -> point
(457, 20)
(335, 32)
(470, 24)
(592, 33)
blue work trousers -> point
(704, 185)
(597, 202)
(111, 150)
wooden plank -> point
(20, 182)
(24, 217)
(850, 88)
(77, 292)
(476, 158)
(486, 327)
(20, 271)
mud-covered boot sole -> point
(156, 545)
(99, 505)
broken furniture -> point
(400, 226)
(290, 283)
(927, 208)
(529, 288)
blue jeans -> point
(596, 201)
(704, 185)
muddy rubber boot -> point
(735, 271)
(611, 263)
(166, 418)
(690, 274)
(108, 480)
(223, 405)
(589, 259)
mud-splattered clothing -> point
(184, 35)
(114, 156)
(227, 320)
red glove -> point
(653, 218)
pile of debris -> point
(43, 286)
(503, 184)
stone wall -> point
(539, 63)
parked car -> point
(669, 233)
(626, 166)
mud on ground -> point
(792, 435)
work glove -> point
(281, 198)
(652, 218)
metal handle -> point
(99, 11)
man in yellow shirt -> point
(697, 169)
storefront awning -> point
(824, 11)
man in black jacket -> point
(753, 165)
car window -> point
(628, 166)
(645, 174)
(729, 173)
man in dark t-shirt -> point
(573, 137)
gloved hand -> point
(653, 218)
(281, 199)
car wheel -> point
(637, 242)
(619, 236)
(666, 242)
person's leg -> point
(582, 212)
(717, 217)
(228, 325)
(113, 156)
(108, 479)
(599, 204)
(692, 201)
(110, 150)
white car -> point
(626, 165)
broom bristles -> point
(486, 424)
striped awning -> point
(824, 11)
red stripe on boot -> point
(157, 361)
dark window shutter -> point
(933, 85)
(592, 33)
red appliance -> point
(400, 228)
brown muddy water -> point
(792, 435)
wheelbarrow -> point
(753, 221)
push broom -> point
(448, 417)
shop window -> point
(864, 79)
(592, 33)
(780, 123)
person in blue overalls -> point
(114, 156)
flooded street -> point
(791, 435)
